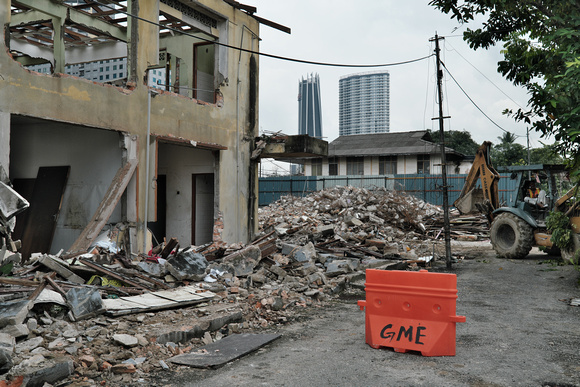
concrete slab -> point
(225, 350)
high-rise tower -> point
(363, 103)
(309, 110)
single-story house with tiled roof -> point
(385, 154)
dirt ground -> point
(521, 331)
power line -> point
(473, 102)
(489, 80)
(263, 53)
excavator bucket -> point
(468, 203)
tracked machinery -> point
(519, 222)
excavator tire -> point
(511, 237)
(572, 254)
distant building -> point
(385, 154)
(106, 71)
(309, 109)
(364, 103)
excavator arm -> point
(486, 199)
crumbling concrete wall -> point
(62, 98)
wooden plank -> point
(47, 261)
(150, 300)
(163, 299)
(179, 295)
(106, 208)
(44, 208)
(111, 273)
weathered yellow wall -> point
(79, 101)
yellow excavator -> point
(520, 221)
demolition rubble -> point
(111, 317)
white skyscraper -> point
(364, 103)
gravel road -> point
(520, 331)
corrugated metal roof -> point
(385, 144)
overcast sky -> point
(377, 32)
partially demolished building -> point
(87, 154)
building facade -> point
(309, 108)
(385, 154)
(364, 103)
(177, 160)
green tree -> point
(507, 138)
(505, 154)
(545, 155)
(541, 41)
(458, 140)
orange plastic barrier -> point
(411, 311)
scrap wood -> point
(146, 278)
(18, 281)
(111, 273)
(50, 279)
(255, 242)
(168, 248)
(54, 265)
(106, 207)
(364, 250)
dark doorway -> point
(202, 206)
(158, 228)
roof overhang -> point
(290, 147)
(192, 143)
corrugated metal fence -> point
(425, 187)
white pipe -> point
(147, 146)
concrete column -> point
(4, 143)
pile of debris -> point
(111, 317)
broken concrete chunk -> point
(53, 372)
(352, 221)
(17, 330)
(326, 230)
(338, 267)
(154, 269)
(187, 265)
(13, 312)
(7, 344)
(306, 269)
(244, 261)
(288, 249)
(126, 340)
(5, 361)
(306, 253)
(281, 273)
(29, 345)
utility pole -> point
(446, 224)
(529, 159)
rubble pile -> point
(108, 316)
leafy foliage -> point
(541, 41)
(506, 154)
(559, 225)
(545, 155)
(459, 140)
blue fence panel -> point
(423, 186)
(369, 182)
(272, 188)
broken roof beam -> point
(295, 147)
(64, 12)
(108, 204)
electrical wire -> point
(263, 53)
(473, 102)
(489, 80)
